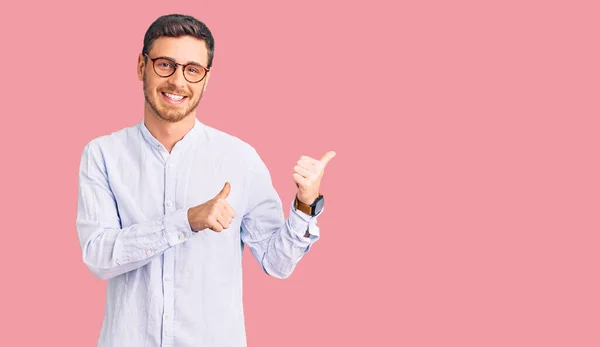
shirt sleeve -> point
(276, 243)
(108, 249)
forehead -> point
(182, 49)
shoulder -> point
(112, 142)
(228, 144)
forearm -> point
(109, 252)
(276, 243)
(289, 244)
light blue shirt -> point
(167, 285)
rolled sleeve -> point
(300, 222)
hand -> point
(215, 214)
(308, 173)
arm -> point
(277, 244)
(108, 249)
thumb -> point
(327, 157)
(224, 192)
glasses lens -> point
(194, 73)
(164, 67)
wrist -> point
(190, 214)
(307, 200)
(312, 209)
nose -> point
(177, 78)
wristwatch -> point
(312, 209)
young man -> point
(166, 206)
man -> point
(166, 206)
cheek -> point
(196, 91)
(151, 85)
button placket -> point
(169, 183)
(169, 263)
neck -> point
(168, 133)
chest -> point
(149, 186)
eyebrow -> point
(193, 62)
(189, 62)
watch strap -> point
(300, 206)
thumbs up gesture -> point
(308, 173)
(216, 214)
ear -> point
(140, 67)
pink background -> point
(462, 207)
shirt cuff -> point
(300, 222)
(177, 226)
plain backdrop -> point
(462, 208)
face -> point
(163, 94)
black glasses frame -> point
(183, 66)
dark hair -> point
(176, 25)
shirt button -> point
(148, 252)
(171, 166)
(181, 236)
(169, 204)
(167, 279)
(167, 317)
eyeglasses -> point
(166, 67)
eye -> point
(164, 65)
(193, 70)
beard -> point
(171, 114)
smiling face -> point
(173, 98)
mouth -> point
(173, 98)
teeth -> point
(174, 97)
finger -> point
(327, 157)
(304, 172)
(224, 193)
(301, 182)
(214, 225)
(223, 220)
(307, 161)
(229, 210)
(315, 166)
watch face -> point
(319, 205)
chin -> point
(172, 114)
(169, 113)
(172, 117)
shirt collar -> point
(189, 139)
